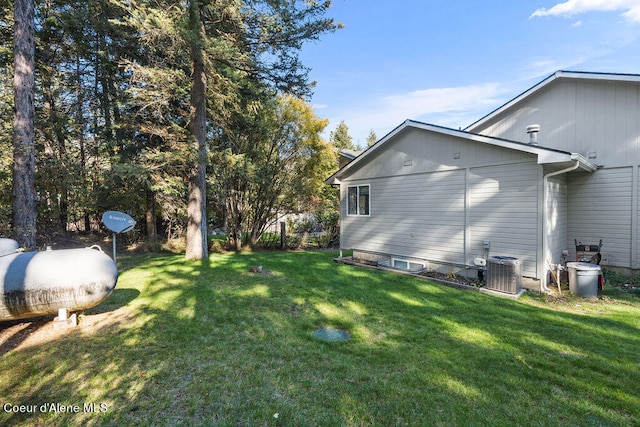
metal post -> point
(283, 235)
(114, 247)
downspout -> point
(543, 281)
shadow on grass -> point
(217, 344)
(118, 298)
(13, 333)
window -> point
(358, 200)
(403, 264)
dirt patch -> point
(25, 333)
(17, 334)
(454, 278)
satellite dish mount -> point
(117, 222)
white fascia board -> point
(613, 77)
(547, 157)
(332, 180)
(584, 163)
(550, 157)
(475, 137)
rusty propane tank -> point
(41, 283)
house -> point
(346, 156)
(558, 162)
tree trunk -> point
(197, 247)
(60, 184)
(82, 142)
(24, 192)
(152, 232)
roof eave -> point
(332, 180)
(550, 158)
(584, 163)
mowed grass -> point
(189, 343)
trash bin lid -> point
(584, 266)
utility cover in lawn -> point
(332, 335)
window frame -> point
(357, 207)
(408, 262)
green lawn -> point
(184, 343)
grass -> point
(188, 343)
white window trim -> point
(358, 199)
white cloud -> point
(633, 14)
(439, 100)
(541, 67)
(319, 106)
(631, 8)
(450, 106)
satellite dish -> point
(118, 222)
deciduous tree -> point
(276, 167)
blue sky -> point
(451, 62)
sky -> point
(449, 63)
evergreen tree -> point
(24, 193)
(197, 246)
(129, 96)
(341, 139)
(227, 42)
(6, 111)
(372, 138)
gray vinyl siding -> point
(418, 151)
(635, 242)
(600, 207)
(504, 210)
(439, 196)
(420, 216)
(425, 215)
(557, 218)
(580, 116)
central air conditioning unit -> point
(504, 274)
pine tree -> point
(228, 42)
(197, 246)
(372, 138)
(132, 94)
(24, 193)
(341, 139)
